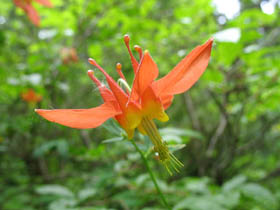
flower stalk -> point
(145, 161)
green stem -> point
(151, 174)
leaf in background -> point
(199, 203)
(179, 132)
(197, 185)
(176, 147)
(113, 140)
(63, 204)
(228, 52)
(60, 145)
(260, 194)
(234, 183)
(111, 126)
(86, 193)
(228, 199)
(57, 190)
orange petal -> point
(31, 96)
(186, 73)
(45, 3)
(80, 118)
(166, 100)
(145, 75)
(33, 15)
(19, 3)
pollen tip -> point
(126, 38)
(146, 52)
(90, 72)
(137, 48)
(92, 61)
(119, 66)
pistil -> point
(160, 146)
(122, 83)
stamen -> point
(139, 50)
(94, 63)
(160, 147)
(133, 60)
(119, 70)
(118, 92)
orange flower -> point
(68, 55)
(31, 96)
(146, 100)
(32, 14)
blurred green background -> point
(225, 129)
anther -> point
(139, 50)
(126, 39)
(90, 72)
(92, 62)
(119, 66)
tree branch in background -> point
(191, 110)
(221, 126)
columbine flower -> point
(31, 96)
(31, 12)
(136, 107)
(68, 55)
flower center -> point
(160, 146)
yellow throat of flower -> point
(160, 147)
(148, 127)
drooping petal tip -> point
(186, 72)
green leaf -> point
(234, 183)
(54, 190)
(180, 132)
(260, 194)
(60, 145)
(86, 193)
(113, 140)
(199, 203)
